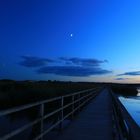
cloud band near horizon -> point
(133, 73)
(79, 67)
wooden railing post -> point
(79, 96)
(72, 106)
(62, 112)
(42, 120)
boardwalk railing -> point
(77, 100)
(126, 126)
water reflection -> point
(132, 104)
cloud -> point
(121, 78)
(72, 71)
(65, 66)
(30, 61)
(82, 61)
(133, 73)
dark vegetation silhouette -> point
(14, 93)
(125, 90)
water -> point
(132, 104)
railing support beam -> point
(42, 119)
(72, 106)
(62, 113)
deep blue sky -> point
(79, 40)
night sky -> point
(72, 40)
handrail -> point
(88, 94)
(124, 124)
(27, 106)
(42, 134)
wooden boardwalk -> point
(93, 123)
(104, 118)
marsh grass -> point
(125, 90)
(14, 93)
